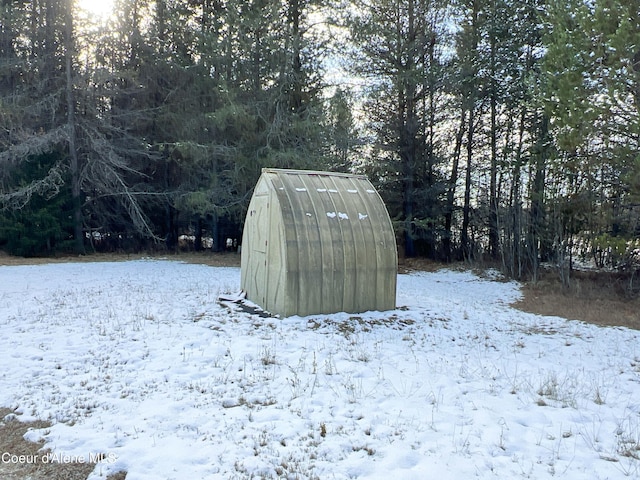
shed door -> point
(259, 246)
(262, 223)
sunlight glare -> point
(97, 10)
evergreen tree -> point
(398, 47)
(593, 82)
(55, 106)
(45, 224)
(342, 134)
(36, 81)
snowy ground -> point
(137, 361)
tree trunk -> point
(197, 244)
(470, 91)
(74, 167)
(218, 242)
(453, 180)
(493, 199)
(465, 242)
(297, 103)
(517, 260)
(537, 239)
(408, 119)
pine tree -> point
(593, 83)
(44, 225)
(342, 132)
(398, 48)
(36, 80)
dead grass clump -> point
(22, 460)
(414, 264)
(594, 297)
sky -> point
(99, 10)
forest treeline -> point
(495, 129)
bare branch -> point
(48, 187)
(34, 145)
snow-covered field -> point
(139, 362)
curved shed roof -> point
(318, 242)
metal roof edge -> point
(313, 172)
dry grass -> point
(408, 265)
(13, 445)
(205, 258)
(595, 297)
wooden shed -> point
(318, 242)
